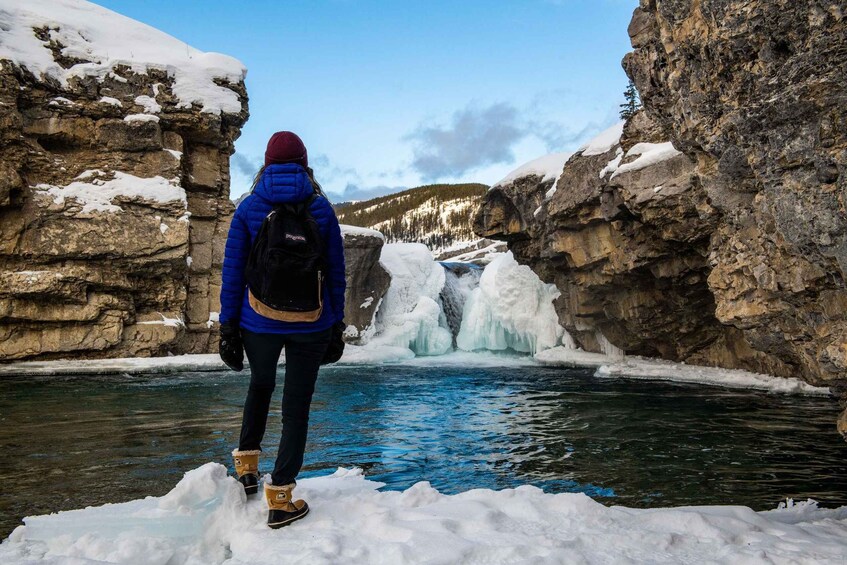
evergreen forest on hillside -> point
(437, 215)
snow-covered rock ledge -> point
(127, 365)
(375, 354)
(207, 519)
(641, 368)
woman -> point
(285, 179)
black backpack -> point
(284, 272)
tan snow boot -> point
(282, 510)
(247, 469)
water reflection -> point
(80, 441)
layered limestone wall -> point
(114, 185)
(770, 144)
(727, 244)
(624, 234)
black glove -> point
(336, 344)
(231, 349)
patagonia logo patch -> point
(294, 237)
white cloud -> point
(473, 139)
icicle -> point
(607, 347)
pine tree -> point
(632, 104)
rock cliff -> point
(714, 230)
(367, 281)
(114, 184)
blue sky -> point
(393, 94)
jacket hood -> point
(284, 182)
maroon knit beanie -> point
(286, 147)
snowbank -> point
(97, 195)
(547, 167)
(127, 365)
(409, 315)
(207, 519)
(614, 366)
(356, 230)
(604, 141)
(605, 366)
(475, 255)
(104, 40)
(648, 154)
(510, 309)
(656, 369)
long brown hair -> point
(315, 184)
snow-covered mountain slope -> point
(436, 215)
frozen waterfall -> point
(460, 281)
(431, 308)
(410, 315)
(510, 309)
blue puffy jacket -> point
(280, 183)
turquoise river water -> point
(77, 441)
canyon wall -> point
(114, 189)
(714, 229)
(114, 185)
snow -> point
(110, 100)
(640, 368)
(98, 195)
(649, 154)
(149, 104)
(439, 215)
(612, 165)
(605, 366)
(356, 230)
(409, 315)
(547, 167)
(510, 309)
(141, 118)
(214, 318)
(166, 321)
(656, 369)
(481, 256)
(458, 246)
(107, 39)
(460, 358)
(129, 365)
(207, 519)
(61, 100)
(376, 353)
(604, 141)
(367, 302)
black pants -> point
(303, 354)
